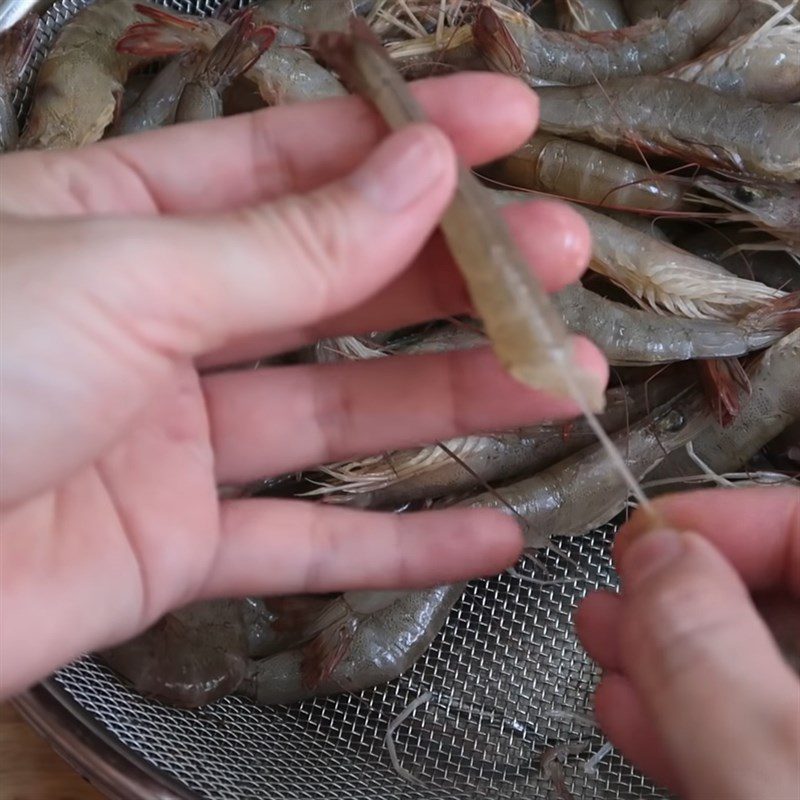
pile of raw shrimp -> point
(672, 127)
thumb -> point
(707, 671)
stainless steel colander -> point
(508, 678)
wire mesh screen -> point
(507, 677)
(509, 682)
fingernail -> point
(403, 168)
(648, 554)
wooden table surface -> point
(31, 770)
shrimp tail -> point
(324, 652)
(724, 381)
(779, 316)
(237, 50)
(167, 34)
(16, 46)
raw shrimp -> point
(646, 9)
(296, 19)
(570, 58)
(577, 494)
(581, 16)
(629, 336)
(281, 74)
(528, 336)
(774, 268)
(156, 105)
(395, 479)
(189, 658)
(573, 169)
(82, 79)
(784, 449)
(235, 52)
(764, 65)
(679, 119)
(773, 405)
(771, 206)
(378, 646)
(752, 14)
(16, 47)
(660, 276)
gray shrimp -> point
(575, 495)
(16, 47)
(375, 642)
(739, 254)
(773, 405)
(763, 65)
(189, 658)
(234, 54)
(634, 337)
(395, 479)
(752, 15)
(582, 172)
(282, 74)
(156, 104)
(784, 449)
(660, 276)
(298, 18)
(772, 206)
(686, 121)
(581, 16)
(650, 47)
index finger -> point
(757, 529)
(248, 158)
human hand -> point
(695, 691)
(129, 264)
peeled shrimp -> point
(679, 119)
(764, 64)
(634, 337)
(580, 171)
(577, 494)
(16, 47)
(81, 81)
(380, 643)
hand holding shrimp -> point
(143, 273)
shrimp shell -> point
(16, 47)
(688, 121)
(528, 337)
(580, 171)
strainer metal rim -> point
(91, 750)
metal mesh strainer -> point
(508, 675)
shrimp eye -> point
(744, 194)
(674, 421)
